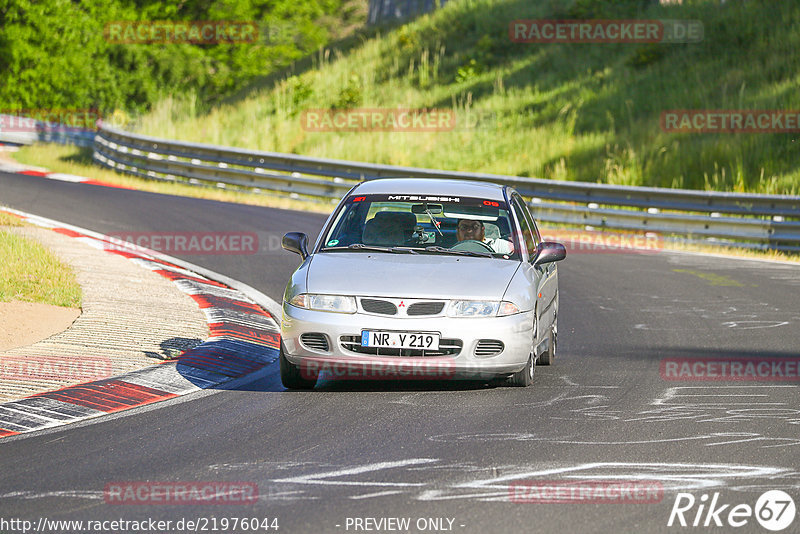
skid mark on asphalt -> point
(726, 411)
(260, 464)
(433, 398)
(673, 477)
(494, 484)
(749, 325)
(95, 495)
(725, 404)
(434, 479)
(712, 439)
(330, 477)
(712, 404)
(729, 404)
(376, 494)
(739, 313)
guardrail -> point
(739, 219)
(44, 132)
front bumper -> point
(515, 332)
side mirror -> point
(296, 242)
(548, 252)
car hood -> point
(409, 276)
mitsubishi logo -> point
(401, 305)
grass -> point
(78, 161)
(7, 219)
(31, 273)
(588, 112)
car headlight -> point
(329, 303)
(481, 308)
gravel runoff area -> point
(131, 318)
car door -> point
(528, 240)
(545, 276)
(548, 287)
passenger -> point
(470, 229)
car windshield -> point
(423, 224)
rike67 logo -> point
(774, 510)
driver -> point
(470, 229)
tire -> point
(524, 377)
(548, 357)
(291, 377)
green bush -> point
(53, 53)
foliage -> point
(53, 53)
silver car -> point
(422, 279)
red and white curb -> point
(244, 338)
(41, 172)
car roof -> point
(431, 186)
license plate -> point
(399, 340)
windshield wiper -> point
(443, 250)
(361, 246)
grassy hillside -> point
(562, 111)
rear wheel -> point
(524, 377)
(292, 377)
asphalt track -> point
(447, 450)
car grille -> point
(426, 308)
(315, 341)
(384, 307)
(447, 347)
(488, 347)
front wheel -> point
(524, 377)
(292, 377)
(548, 357)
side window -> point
(536, 235)
(528, 236)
